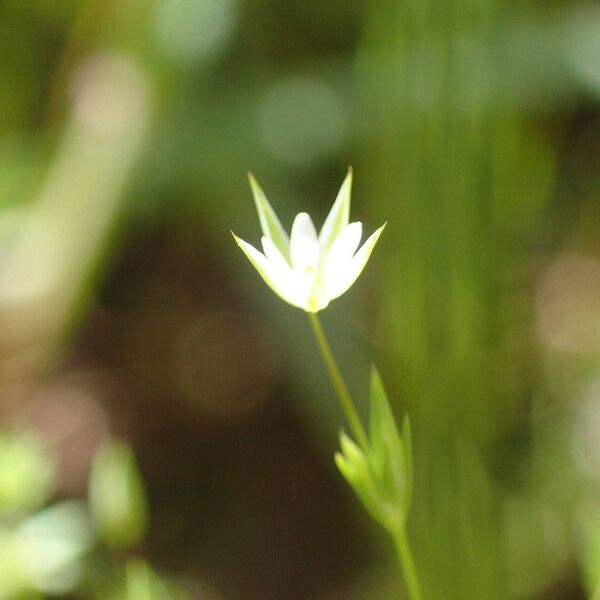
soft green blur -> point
(55, 550)
(117, 497)
(126, 130)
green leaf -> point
(117, 497)
(269, 222)
(383, 431)
(387, 451)
(338, 216)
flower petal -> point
(277, 279)
(347, 276)
(344, 247)
(304, 247)
(300, 284)
(274, 256)
(338, 216)
(269, 222)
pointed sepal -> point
(269, 221)
(338, 217)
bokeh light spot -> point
(301, 120)
(568, 305)
(109, 93)
(194, 31)
(222, 338)
(582, 46)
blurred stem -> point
(338, 382)
(407, 564)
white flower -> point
(307, 270)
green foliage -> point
(41, 549)
(117, 497)
(382, 474)
(47, 550)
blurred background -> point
(127, 312)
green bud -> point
(380, 475)
(117, 498)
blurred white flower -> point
(306, 270)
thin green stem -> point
(407, 564)
(405, 557)
(338, 382)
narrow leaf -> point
(382, 422)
